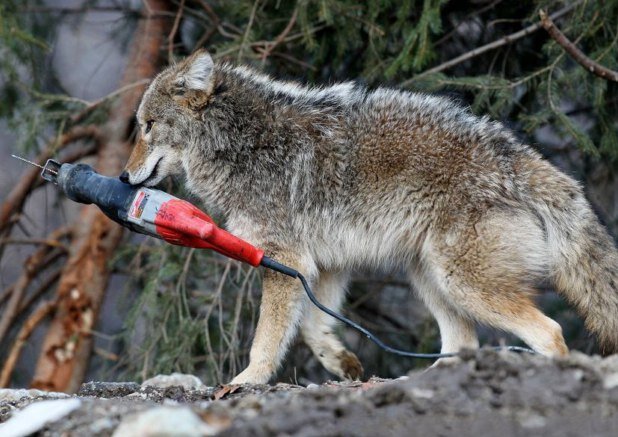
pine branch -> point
(245, 36)
(579, 56)
(508, 39)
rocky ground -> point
(488, 393)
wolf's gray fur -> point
(340, 178)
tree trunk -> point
(67, 347)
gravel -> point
(486, 393)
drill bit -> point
(35, 164)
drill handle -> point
(180, 222)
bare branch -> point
(34, 241)
(65, 10)
(290, 59)
(6, 293)
(465, 19)
(14, 201)
(258, 45)
(105, 354)
(26, 330)
(216, 23)
(172, 35)
(288, 28)
(210, 11)
(31, 269)
(42, 287)
(75, 155)
(508, 39)
(579, 56)
(76, 118)
(41, 290)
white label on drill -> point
(137, 207)
(145, 207)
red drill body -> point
(179, 222)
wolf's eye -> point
(149, 124)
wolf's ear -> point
(194, 82)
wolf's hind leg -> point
(457, 330)
(521, 317)
(282, 304)
(317, 328)
(490, 271)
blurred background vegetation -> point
(178, 309)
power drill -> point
(147, 211)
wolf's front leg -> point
(318, 328)
(282, 303)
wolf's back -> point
(584, 264)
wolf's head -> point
(168, 111)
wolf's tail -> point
(584, 259)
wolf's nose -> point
(124, 177)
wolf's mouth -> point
(154, 174)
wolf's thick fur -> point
(333, 179)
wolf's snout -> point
(124, 177)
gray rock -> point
(164, 420)
(108, 389)
(17, 395)
(188, 382)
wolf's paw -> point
(251, 376)
(351, 368)
(446, 362)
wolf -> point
(333, 179)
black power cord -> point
(274, 265)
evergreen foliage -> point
(191, 314)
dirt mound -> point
(488, 393)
